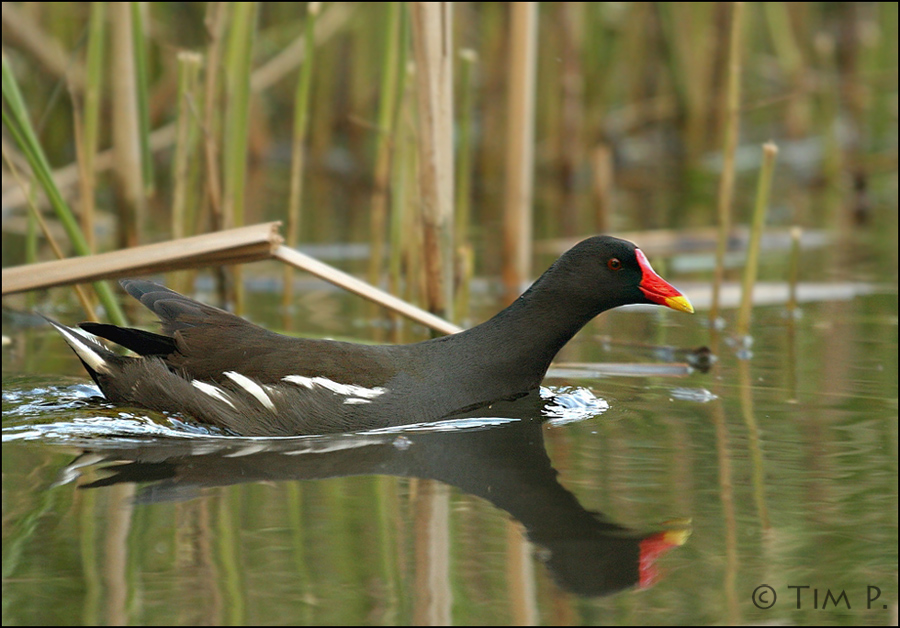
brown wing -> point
(202, 341)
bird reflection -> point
(493, 453)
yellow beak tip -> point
(680, 303)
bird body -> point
(222, 370)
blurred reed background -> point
(443, 137)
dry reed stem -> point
(603, 179)
(517, 216)
(357, 286)
(432, 39)
(20, 31)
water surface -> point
(775, 468)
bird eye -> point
(614, 264)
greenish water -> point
(782, 467)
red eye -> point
(614, 264)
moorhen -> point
(219, 369)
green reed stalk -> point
(793, 278)
(142, 81)
(794, 270)
(763, 189)
(392, 83)
(16, 120)
(401, 176)
(187, 152)
(238, 57)
(298, 151)
(791, 58)
(35, 219)
(85, 180)
(732, 129)
(238, 60)
(187, 135)
(468, 59)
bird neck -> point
(524, 338)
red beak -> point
(658, 290)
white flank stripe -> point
(335, 387)
(299, 380)
(212, 391)
(251, 387)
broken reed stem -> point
(218, 248)
(732, 128)
(763, 189)
(357, 286)
(298, 155)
